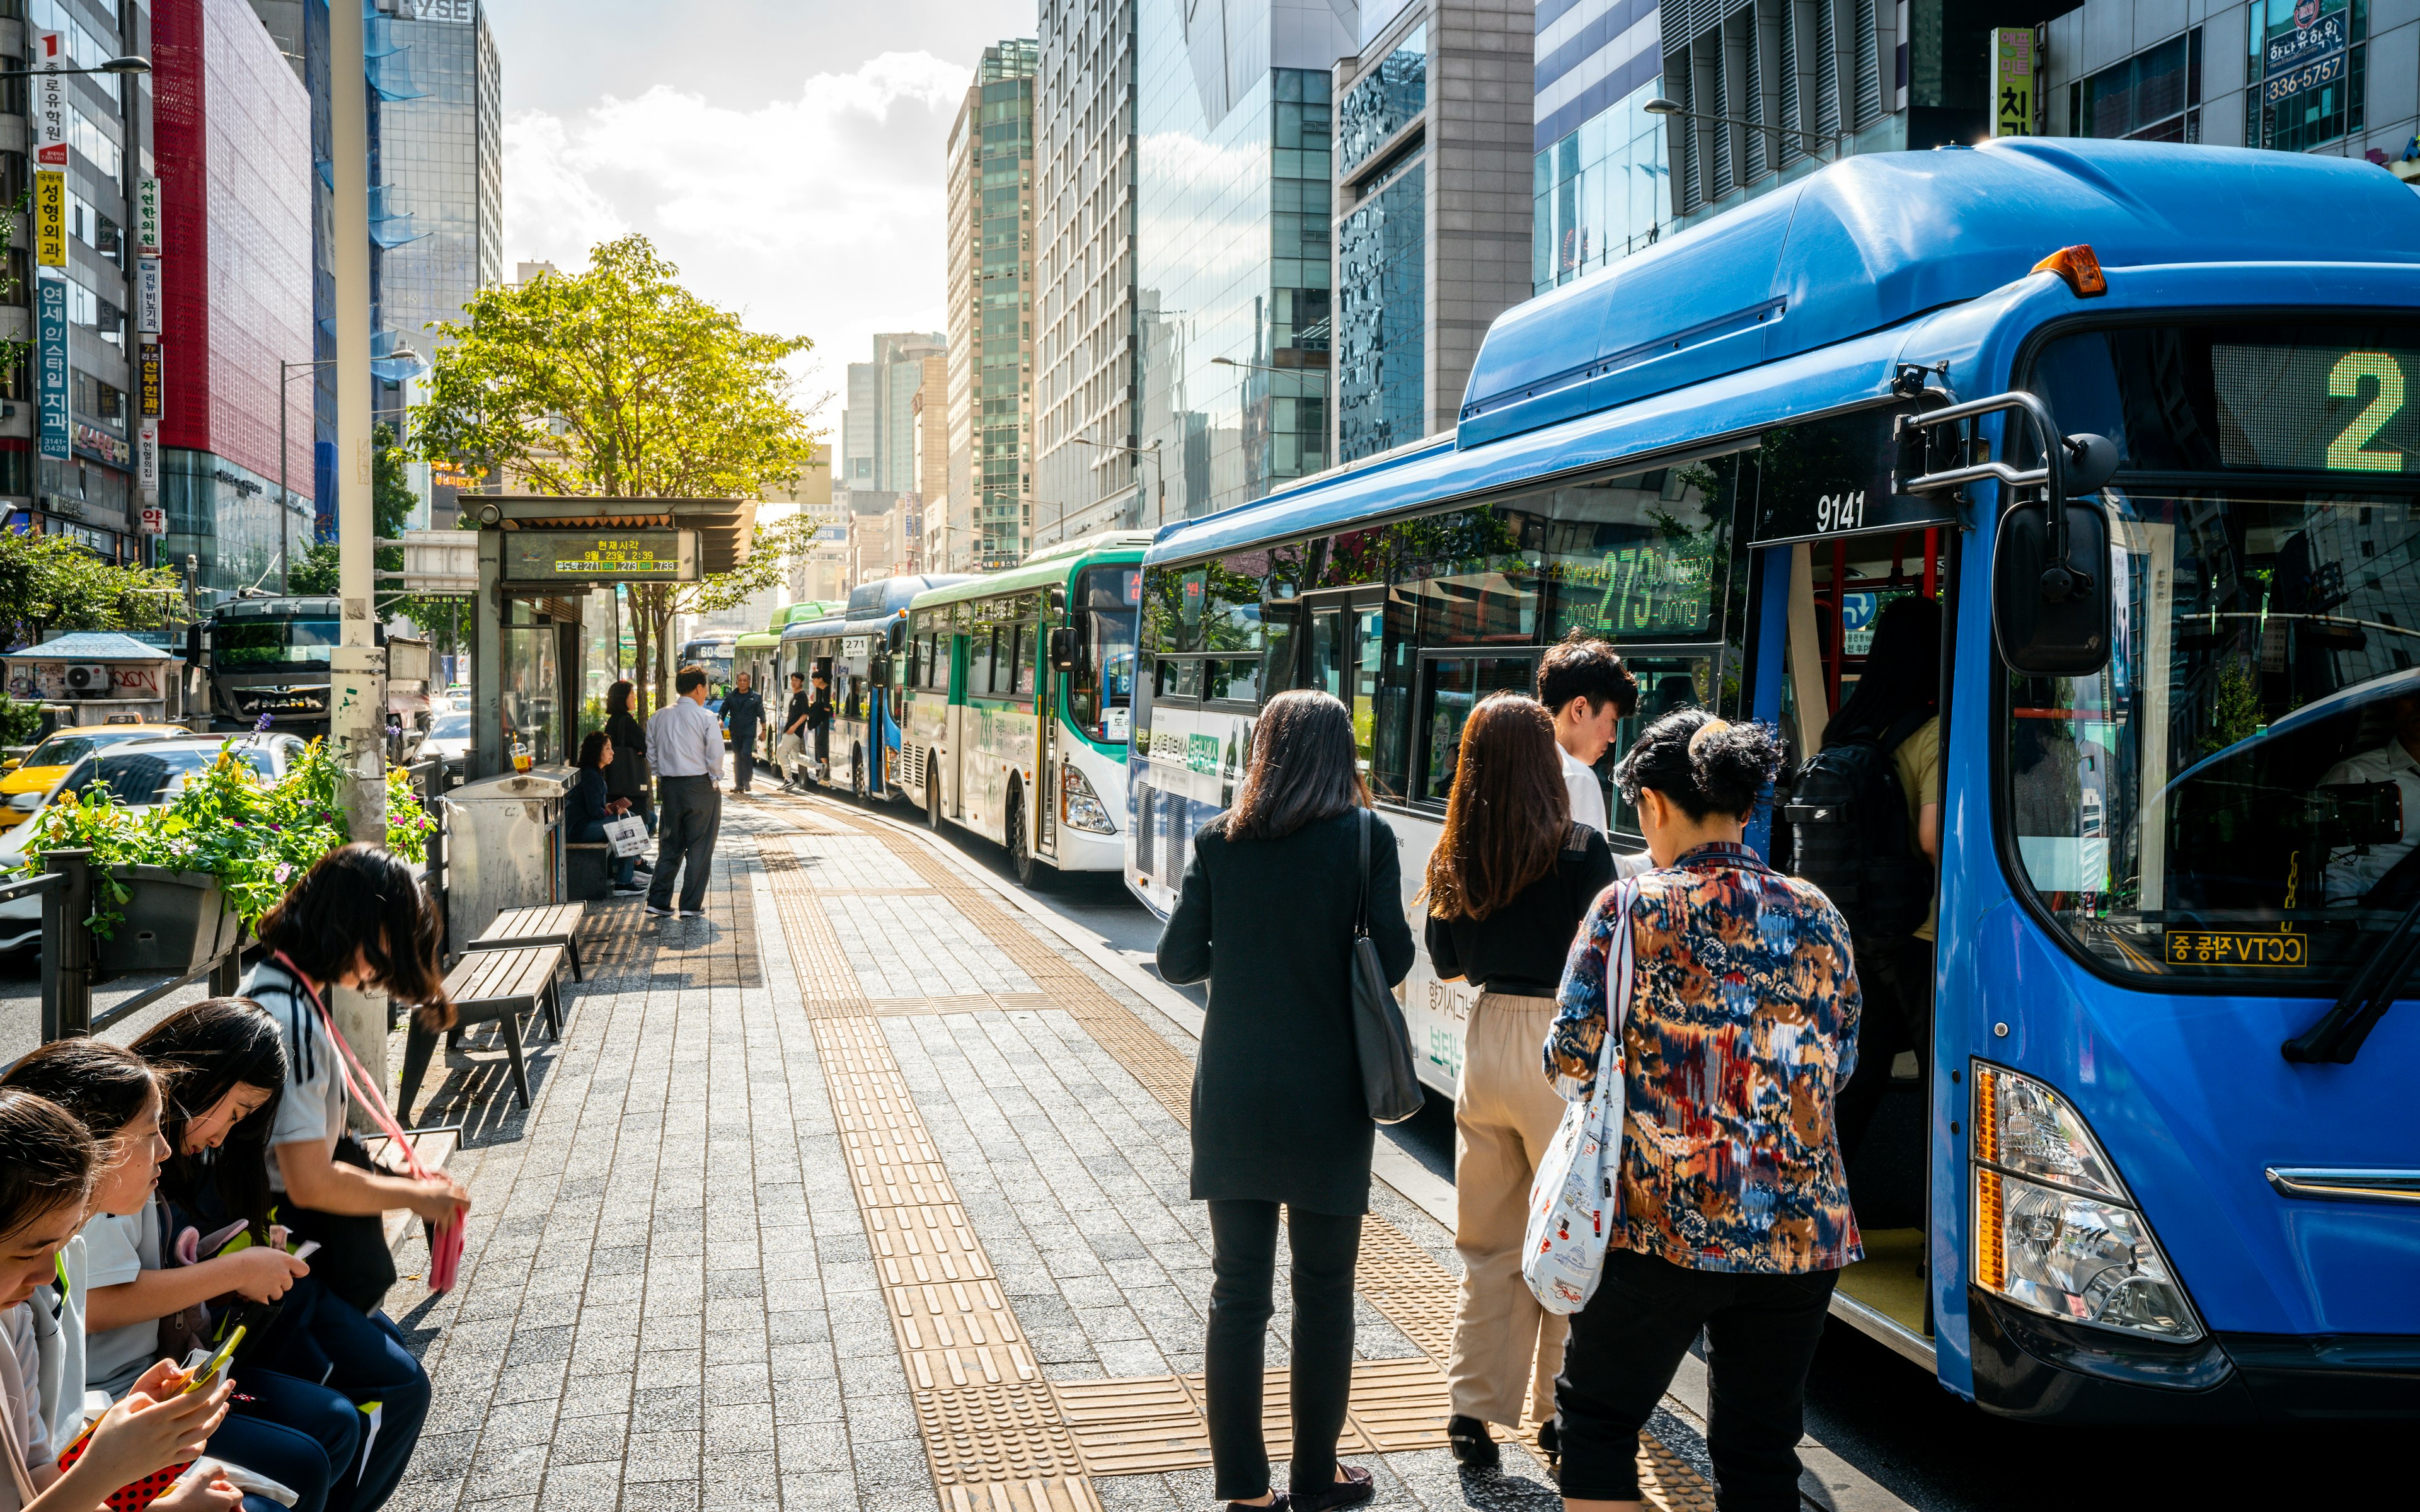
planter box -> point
(176, 921)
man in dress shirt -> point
(685, 745)
(1589, 691)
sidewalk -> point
(867, 1190)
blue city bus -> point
(2168, 1168)
(854, 648)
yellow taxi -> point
(42, 770)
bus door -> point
(1818, 604)
(1344, 644)
(1048, 688)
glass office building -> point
(989, 522)
(1233, 313)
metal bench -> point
(490, 986)
(545, 924)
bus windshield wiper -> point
(2337, 1036)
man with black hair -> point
(686, 745)
(791, 751)
(1586, 688)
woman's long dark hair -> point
(47, 1159)
(204, 1052)
(1902, 672)
(105, 1085)
(592, 751)
(1302, 768)
(360, 898)
(617, 698)
(1509, 811)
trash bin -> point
(504, 846)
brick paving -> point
(669, 1298)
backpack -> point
(1850, 836)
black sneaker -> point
(1550, 1443)
(1354, 1489)
(629, 890)
(1471, 1443)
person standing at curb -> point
(790, 751)
(629, 778)
(1510, 878)
(1733, 1214)
(1266, 912)
(743, 712)
(686, 745)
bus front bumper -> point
(2045, 1369)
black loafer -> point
(1471, 1443)
(1354, 1489)
(1276, 1503)
(1549, 1443)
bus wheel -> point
(932, 794)
(1020, 851)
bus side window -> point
(1029, 657)
(979, 659)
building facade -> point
(1233, 206)
(300, 29)
(820, 570)
(91, 493)
(878, 426)
(1600, 187)
(1432, 233)
(1089, 466)
(437, 180)
(989, 521)
(233, 135)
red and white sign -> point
(50, 105)
(153, 521)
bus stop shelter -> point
(541, 559)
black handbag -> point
(352, 1260)
(1389, 1085)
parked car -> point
(449, 736)
(142, 777)
(47, 762)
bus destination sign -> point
(601, 556)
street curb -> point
(1828, 1482)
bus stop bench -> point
(541, 924)
(490, 987)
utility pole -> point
(357, 711)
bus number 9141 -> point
(1840, 512)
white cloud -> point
(821, 215)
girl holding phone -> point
(48, 1164)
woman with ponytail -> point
(1733, 1215)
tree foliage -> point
(392, 501)
(51, 584)
(619, 383)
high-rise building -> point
(1600, 187)
(1089, 466)
(878, 427)
(437, 178)
(1232, 245)
(234, 158)
(300, 29)
(89, 493)
(1432, 129)
(990, 235)
(821, 570)
(929, 461)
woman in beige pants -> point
(1509, 883)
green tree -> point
(50, 584)
(619, 383)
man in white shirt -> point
(2351, 872)
(1589, 691)
(685, 746)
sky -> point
(785, 154)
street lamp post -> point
(132, 63)
(1660, 106)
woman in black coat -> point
(1266, 912)
(626, 775)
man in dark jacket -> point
(819, 723)
(790, 750)
(743, 712)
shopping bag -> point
(1574, 1200)
(627, 836)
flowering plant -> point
(257, 837)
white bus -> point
(1018, 690)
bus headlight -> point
(2078, 1249)
(1079, 807)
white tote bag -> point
(1576, 1198)
(627, 836)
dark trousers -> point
(306, 1437)
(362, 1357)
(1243, 1265)
(593, 833)
(692, 817)
(743, 756)
(1896, 979)
(1761, 1336)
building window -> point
(1379, 326)
(2306, 72)
(1383, 101)
(1600, 193)
(2155, 96)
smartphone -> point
(216, 1364)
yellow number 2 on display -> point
(2347, 453)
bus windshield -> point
(2238, 795)
(1100, 693)
(251, 645)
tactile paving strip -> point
(826, 981)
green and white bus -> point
(1017, 692)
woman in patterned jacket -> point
(1735, 1213)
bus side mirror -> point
(898, 634)
(1064, 648)
(877, 671)
(2049, 623)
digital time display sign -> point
(2324, 408)
(601, 556)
